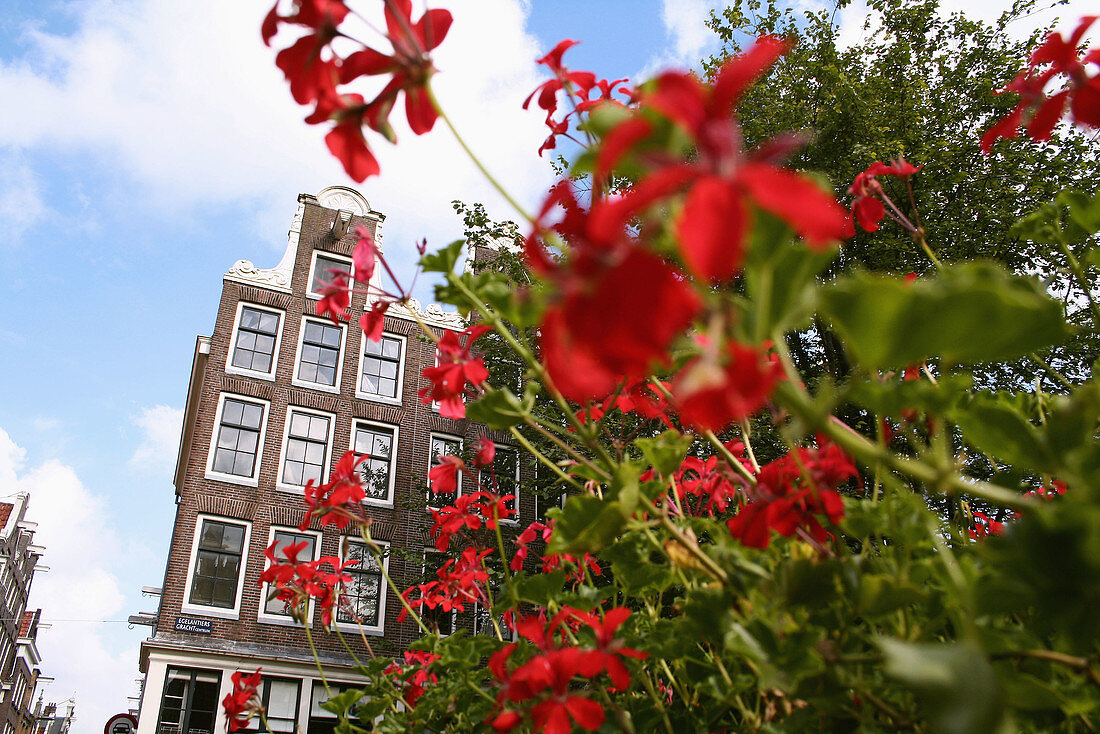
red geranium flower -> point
(867, 207)
(791, 492)
(335, 298)
(410, 64)
(334, 502)
(718, 388)
(455, 367)
(243, 701)
(1081, 92)
(443, 477)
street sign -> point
(120, 724)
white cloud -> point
(21, 204)
(80, 543)
(689, 39)
(160, 437)
(184, 99)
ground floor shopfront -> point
(183, 692)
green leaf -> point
(999, 429)
(341, 702)
(954, 683)
(539, 588)
(779, 278)
(975, 312)
(586, 524)
(498, 409)
(666, 452)
(880, 594)
(1084, 210)
(444, 260)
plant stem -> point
(365, 534)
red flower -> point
(443, 477)
(620, 306)
(334, 502)
(415, 677)
(867, 207)
(409, 63)
(311, 77)
(722, 181)
(1081, 92)
(460, 581)
(486, 451)
(447, 521)
(364, 258)
(790, 493)
(243, 701)
(984, 526)
(455, 367)
(609, 650)
(335, 298)
(374, 321)
(716, 389)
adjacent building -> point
(276, 396)
(19, 658)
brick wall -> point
(404, 526)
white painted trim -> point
(431, 465)
(188, 607)
(356, 422)
(254, 479)
(298, 382)
(229, 367)
(326, 467)
(508, 447)
(400, 371)
(379, 629)
(262, 615)
(313, 269)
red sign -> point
(120, 724)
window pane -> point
(299, 424)
(232, 412)
(253, 415)
(269, 323)
(232, 538)
(391, 348)
(246, 340)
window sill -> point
(352, 627)
(215, 612)
(281, 621)
(334, 389)
(397, 402)
(231, 370)
(232, 479)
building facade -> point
(19, 658)
(277, 395)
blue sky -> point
(146, 145)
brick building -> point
(276, 396)
(19, 659)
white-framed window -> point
(318, 362)
(503, 478)
(440, 445)
(307, 443)
(364, 599)
(215, 574)
(257, 335)
(378, 443)
(442, 622)
(275, 610)
(323, 270)
(236, 446)
(381, 368)
(190, 701)
(483, 620)
(281, 698)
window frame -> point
(313, 269)
(281, 485)
(232, 369)
(299, 382)
(186, 709)
(514, 520)
(432, 436)
(254, 479)
(355, 423)
(265, 699)
(442, 557)
(204, 610)
(266, 617)
(378, 630)
(397, 400)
